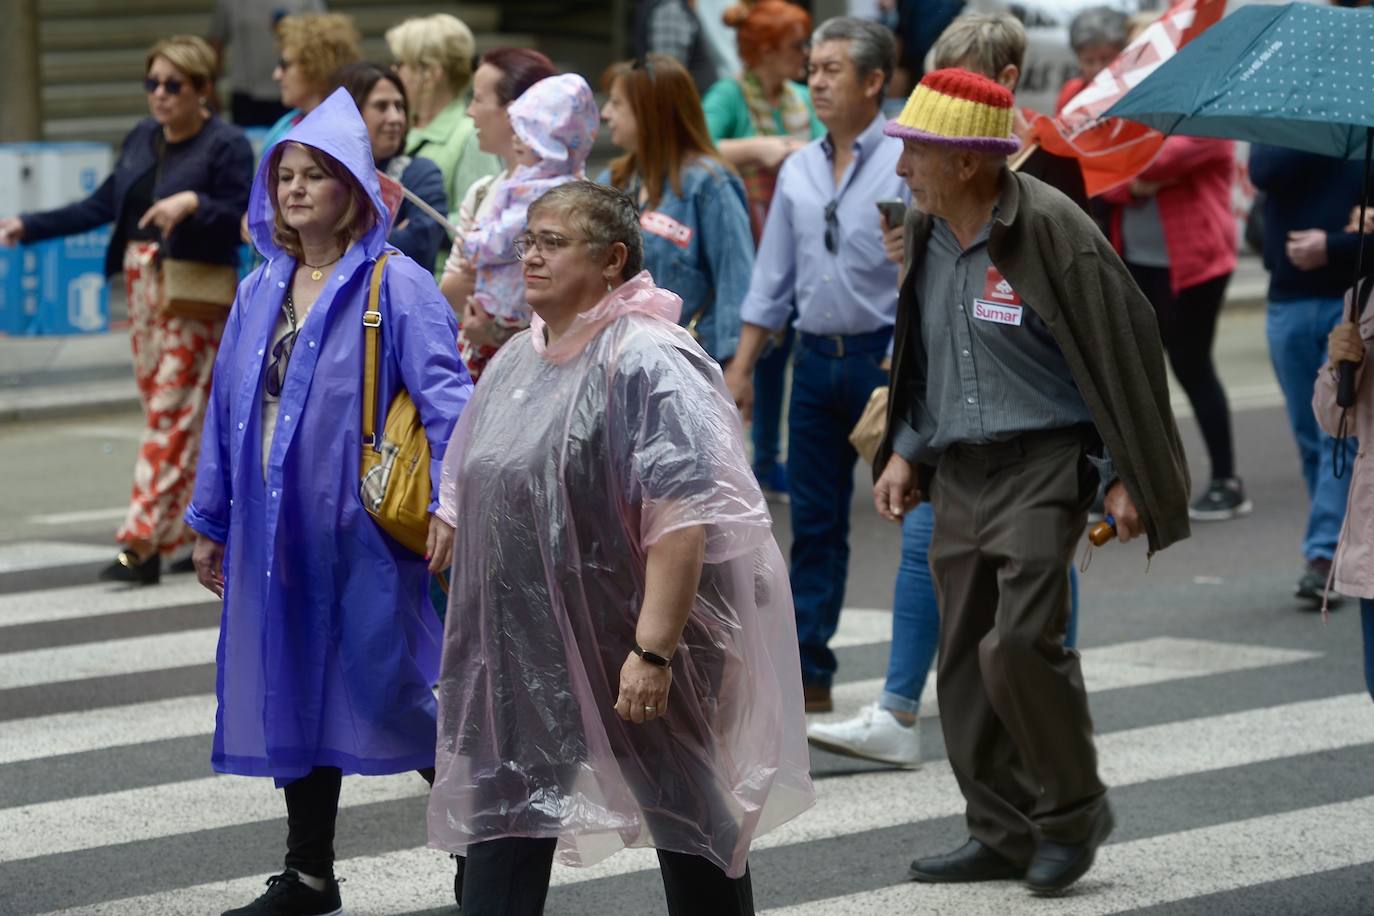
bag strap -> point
(372, 364)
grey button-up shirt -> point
(994, 370)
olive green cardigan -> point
(1066, 271)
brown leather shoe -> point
(817, 698)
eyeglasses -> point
(832, 226)
(172, 86)
(283, 64)
(546, 243)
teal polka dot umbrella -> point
(1297, 75)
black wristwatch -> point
(652, 658)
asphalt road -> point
(1233, 726)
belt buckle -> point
(839, 345)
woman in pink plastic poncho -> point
(607, 519)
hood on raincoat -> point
(557, 119)
(639, 294)
(337, 130)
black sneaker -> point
(1224, 499)
(287, 895)
(1312, 585)
(460, 866)
(127, 568)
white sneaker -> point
(874, 734)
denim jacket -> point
(699, 245)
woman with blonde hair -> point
(177, 191)
(433, 56)
(314, 46)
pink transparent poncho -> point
(568, 463)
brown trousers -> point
(1012, 702)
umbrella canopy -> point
(1297, 75)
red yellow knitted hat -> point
(958, 108)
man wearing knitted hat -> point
(1022, 350)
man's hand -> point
(208, 559)
(1345, 344)
(1119, 505)
(643, 690)
(439, 545)
(895, 494)
(168, 213)
(1306, 248)
(740, 381)
(894, 242)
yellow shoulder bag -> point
(395, 468)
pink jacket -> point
(1199, 230)
(1353, 570)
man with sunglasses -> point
(822, 250)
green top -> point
(450, 142)
(728, 116)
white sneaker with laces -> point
(874, 734)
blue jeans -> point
(829, 393)
(1297, 330)
(770, 381)
(916, 616)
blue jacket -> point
(709, 264)
(328, 645)
(1307, 191)
(422, 238)
(216, 163)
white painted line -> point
(1137, 663)
(862, 626)
(77, 601)
(27, 555)
(1150, 872)
(105, 659)
(844, 805)
(85, 515)
(100, 729)
(168, 810)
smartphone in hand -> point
(893, 211)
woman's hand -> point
(1345, 344)
(168, 213)
(1306, 248)
(1354, 225)
(458, 285)
(208, 559)
(643, 690)
(477, 325)
(771, 151)
(439, 545)
(11, 231)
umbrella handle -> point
(1345, 385)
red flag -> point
(1113, 151)
(392, 195)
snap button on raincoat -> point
(570, 462)
(328, 646)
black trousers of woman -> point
(510, 877)
(1188, 327)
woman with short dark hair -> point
(620, 664)
(381, 99)
(328, 645)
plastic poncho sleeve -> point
(682, 463)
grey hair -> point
(1098, 25)
(603, 214)
(872, 46)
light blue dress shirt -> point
(852, 290)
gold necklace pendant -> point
(316, 274)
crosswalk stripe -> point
(28, 555)
(856, 803)
(1137, 663)
(99, 729)
(77, 601)
(83, 515)
(104, 659)
(1121, 665)
(862, 626)
(1150, 872)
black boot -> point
(127, 568)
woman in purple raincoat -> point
(327, 644)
